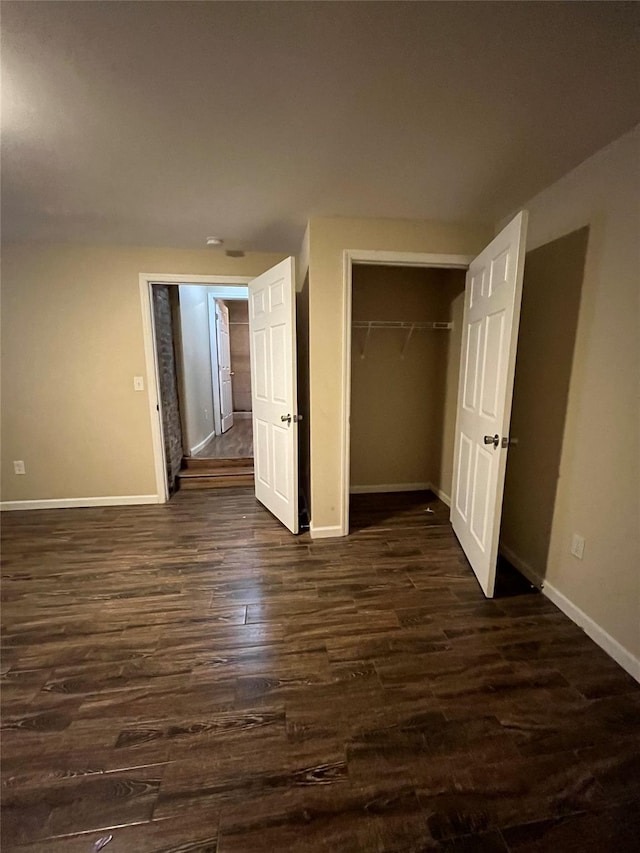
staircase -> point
(215, 473)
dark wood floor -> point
(190, 677)
(234, 443)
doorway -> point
(405, 345)
(274, 402)
(200, 340)
(358, 330)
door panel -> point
(224, 365)
(489, 337)
(274, 391)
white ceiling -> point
(161, 123)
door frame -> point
(146, 280)
(213, 358)
(375, 258)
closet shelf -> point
(396, 324)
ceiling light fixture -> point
(214, 241)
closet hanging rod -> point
(408, 326)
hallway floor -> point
(235, 443)
(191, 677)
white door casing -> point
(274, 391)
(492, 300)
(224, 366)
(213, 353)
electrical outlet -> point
(577, 546)
(18, 467)
(138, 383)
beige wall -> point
(195, 365)
(599, 484)
(71, 344)
(551, 292)
(328, 239)
(397, 398)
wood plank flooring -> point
(235, 442)
(191, 677)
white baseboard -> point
(242, 416)
(330, 532)
(381, 488)
(524, 568)
(389, 487)
(444, 497)
(69, 503)
(607, 643)
(198, 447)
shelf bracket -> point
(407, 339)
(364, 342)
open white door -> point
(487, 363)
(224, 366)
(272, 329)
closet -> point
(406, 331)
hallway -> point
(236, 443)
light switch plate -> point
(577, 546)
(18, 467)
(138, 383)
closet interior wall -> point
(404, 388)
(240, 359)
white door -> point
(224, 366)
(272, 327)
(487, 363)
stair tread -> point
(228, 472)
(196, 464)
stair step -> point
(214, 477)
(222, 473)
(213, 481)
(194, 463)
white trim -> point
(372, 256)
(444, 497)
(607, 643)
(153, 384)
(325, 532)
(165, 278)
(379, 488)
(611, 646)
(236, 292)
(409, 259)
(68, 503)
(200, 445)
(524, 568)
(345, 445)
(241, 416)
(213, 361)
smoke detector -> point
(214, 241)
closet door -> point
(490, 331)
